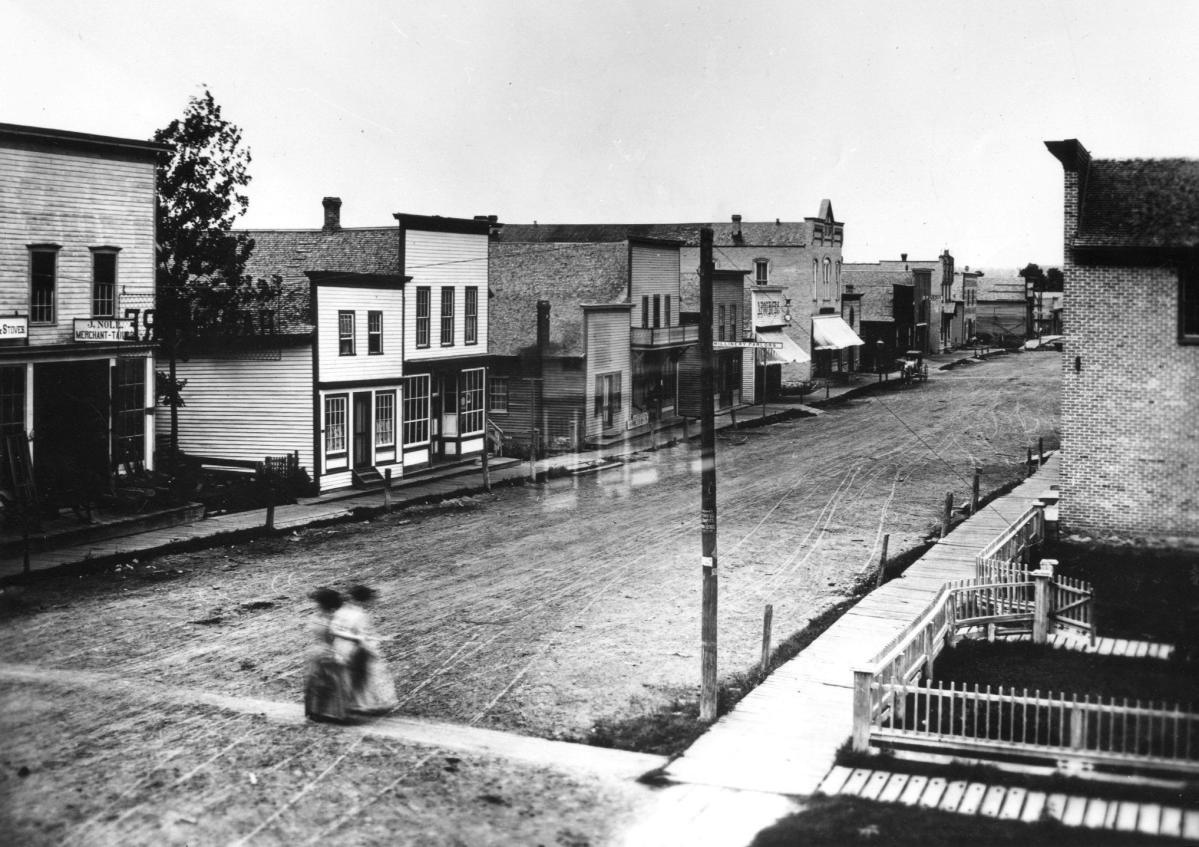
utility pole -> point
(707, 515)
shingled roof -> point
(1140, 203)
(290, 253)
(567, 276)
(753, 234)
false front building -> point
(77, 259)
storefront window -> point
(416, 409)
(12, 400)
(335, 424)
(470, 402)
(129, 410)
(385, 419)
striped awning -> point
(789, 353)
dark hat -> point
(326, 598)
(362, 594)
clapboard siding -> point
(437, 260)
(607, 333)
(77, 200)
(334, 367)
(245, 409)
(654, 270)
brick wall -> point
(1130, 414)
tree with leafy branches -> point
(201, 280)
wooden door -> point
(363, 452)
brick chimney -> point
(1076, 162)
(332, 214)
(737, 227)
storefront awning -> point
(829, 332)
(789, 353)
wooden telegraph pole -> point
(707, 515)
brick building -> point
(803, 258)
(1130, 443)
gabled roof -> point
(291, 253)
(1140, 203)
(753, 234)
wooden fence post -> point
(767, 619)
(974, 495)
(945, 518)
(387, 484)
(485, 461)
(1028, 464)
(269, 493)
(533, 444)
(1040, 452)
(882, 562)
(1041, 600)
(862, 709)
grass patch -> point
(837, 821)
(1142, 593)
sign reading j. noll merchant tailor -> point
(14, 328)
(102, 329)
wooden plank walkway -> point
(1012, 803)
(784, 735)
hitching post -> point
(882, 561)
(945, 518)
(387, 486)
(486, 453)
(974, 494)
(707, 515)
(767, 619)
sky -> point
(923, 123)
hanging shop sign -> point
(104, 329)
(755, 345)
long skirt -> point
(372, 689)
(326, 689)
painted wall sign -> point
(757, 345)
(104, 329)
(14, 328)
(638, 419)
(768, 308)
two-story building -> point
(729, 361)
(1130, 444)
(586, 338)
(1004, 310)
(365, 368)
(77, 266)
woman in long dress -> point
(372, 689)
(326, 682)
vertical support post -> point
(882, 562)
(533, 450)
(1044, 579)
(1028, 464)
(767, 620)
(974, 491)
(485, 459)
(733, 416)
(862, 708)
(707, 700)
(574, 430)
(1040, 452)
(269, 493)
(947, 514)
(387, 482)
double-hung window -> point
(733, 334)
(497, 394)
(385, 419)
(335, 424)
(374, 333)
(470, 331)
(607, 398)
(416, 409)
(657, 311)
(345, 333)
(447, 316)
(104, 283)
(720, 324)
(422, 316)
(645, 311)
(761, 271)
(43, 275)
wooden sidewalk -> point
(1012, 803)
(783, 737)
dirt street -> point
(537, 609)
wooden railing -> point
(1053, 727)
(1007, 598)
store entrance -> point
(70, 431)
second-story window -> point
(733, 336)
(645, 311)
(470, 329)
(422, 316)
(104, 284)
(345, 333)
(657, 311)
(43, 274)
(667, 310)
(447, 316)
(720, 324)
(374, 333)
(761, 268)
